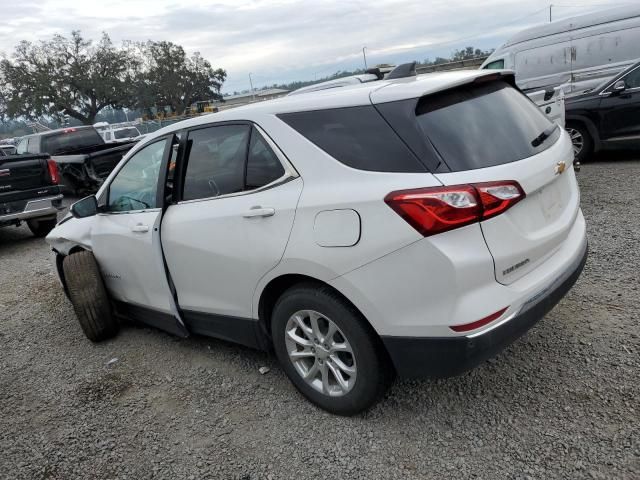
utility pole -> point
(364, 55)
(550, 7)
(251, 83)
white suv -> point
(413, 226)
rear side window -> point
(216, 161)
(70, 140)
(263, 167)
(497, 65)
(482, 125)
(357, 137)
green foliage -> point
(79, 78)
(167, 77)
(457, 55)
(64, 76)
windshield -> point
(70, 139)
(126, 133)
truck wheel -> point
(581, 140)
(41, 228)
(88, 296)
(328, 351)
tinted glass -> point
(216, 160)
(70, 140)
(135, 185)
(263, 167)
(356, 136)
(482, 125)
(126, 133)
(633, 79)
(497, 65)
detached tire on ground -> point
(328, 350)
(41, 228)
(89, 296)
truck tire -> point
(41, 227)
(318, 337)
(89, 296)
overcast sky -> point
(284, 40)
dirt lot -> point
(563, 402)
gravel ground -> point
(562, 402)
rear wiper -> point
(536, 142)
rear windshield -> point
(70, 140)
(483, 125)
(126, 133)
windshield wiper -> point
(536, 142)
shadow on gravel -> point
(614, 156)
(21, 235)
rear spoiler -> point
(431, 83)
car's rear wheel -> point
(41, 227)
(581, 140)
(89, 296)
(328, 350)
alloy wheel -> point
(320, 353)
(577, 140)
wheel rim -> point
(321, 353)
(577, 140)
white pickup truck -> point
(551, 102)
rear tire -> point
(89, 296)
(354, 347)
(41, 227)
(581, 140)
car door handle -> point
(140, 228)
(259, 212)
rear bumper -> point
(440, 357)
(37, 208)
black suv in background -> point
(606, 117)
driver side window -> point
(633, 79)
(135, 185)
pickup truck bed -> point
(87, 171)
(84, 159)
(29, 191)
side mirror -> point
(87, 207)
(619, 86)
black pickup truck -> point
(29, 191)
(83, 157)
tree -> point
(66, 76)
(169, 78)
(469, 52)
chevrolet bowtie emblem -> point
(560, 167)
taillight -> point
(439, 209)
(54, 174)
(496, 197)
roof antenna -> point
(402, 71)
